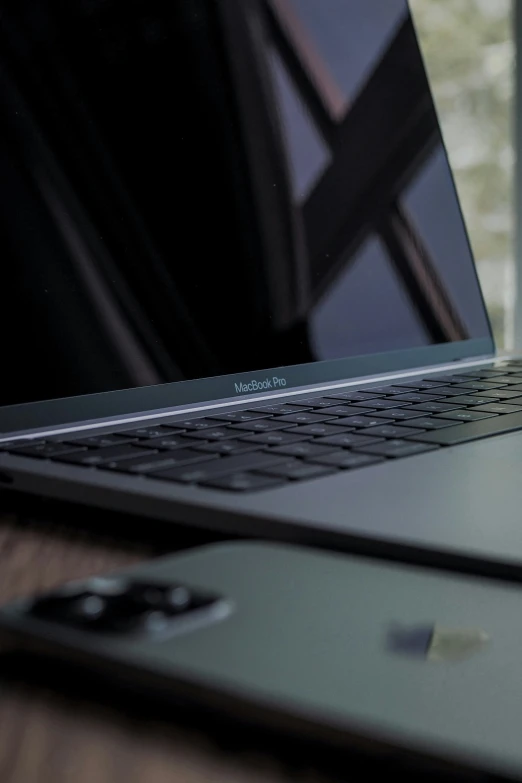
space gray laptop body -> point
(237, 288)
(401, 661)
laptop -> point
(237, 288)
(401, 663)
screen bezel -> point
(111, 405)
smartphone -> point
(341, 650)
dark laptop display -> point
(199, 188)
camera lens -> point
(87, 609)
(120, 605)
(153, 596)
(77, 608)
(107, 586)
(178, 599)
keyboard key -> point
(515, 400)
(241, 416)
(499, 394)
(99, 457)
(192, 424)
(442, 380)
(457, 378)
(299, 406)
(347, 460)
(303, 450)
(380, 404)
(476, 430)
(425, 424)
(349, 440)
(218, 433)
(15, 444)
(473, 415)
(498, 407)
(355, 396)
(459, 402)
(265, 425)
(8, 444)
(351, 410)
(278, 438)
(320, 402)
(392, 431)
(439, 407)
(168, 443)
(45, 450)
(171, 429)
(507, 368)
(449, 391)
(242, 463)
(189, 457)
(279, 409)
(384, 390)
(359, 422)
(395, 449)
(478, 385)
(244, 482)
(342, 410)
(465, 375)
(151, 463)
(298, 471)
(507, 380)
(100, 441)
(482, 372)
(418, 385)
(304, 418)
(229, 447)
(147, 432)
(323, 429)
(420, 397)
(401, 413)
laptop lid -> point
(194, 194)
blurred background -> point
(470, 54)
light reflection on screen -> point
(204, 188)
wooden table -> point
(47, 737)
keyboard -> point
(264, 446)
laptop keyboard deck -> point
(265, 446)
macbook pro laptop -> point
(237, 289)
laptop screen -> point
(207, 188)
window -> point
(469, 51)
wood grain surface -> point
(49, 737)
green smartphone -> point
(339, 649)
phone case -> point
(340, 649)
